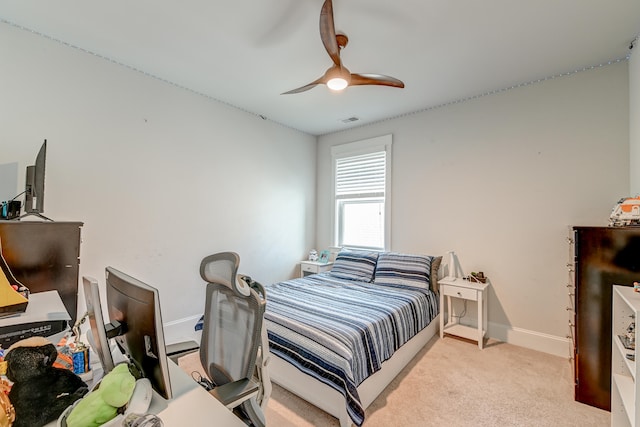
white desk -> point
(45, 309)
(191, 405)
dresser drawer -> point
(459, 292)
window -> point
(361, 193)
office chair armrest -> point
(234, 393)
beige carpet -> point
(453, 383)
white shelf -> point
(626, 387)
(464, 331)
(625, 391)
(631, 364)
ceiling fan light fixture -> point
(337, 84)
(337, 78)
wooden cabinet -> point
(44, 255)
(603, 256)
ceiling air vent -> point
(350, 119)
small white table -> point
(313, 267)
(466, 290)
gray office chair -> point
(233, 338)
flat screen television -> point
(34, 184)
(135, 325)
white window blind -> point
(361, 176)
(361, 191)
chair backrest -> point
(233, 316)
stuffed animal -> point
(101, 405)
(40, 391)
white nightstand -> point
(471, 291)
(313, 267)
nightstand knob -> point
(459, 294)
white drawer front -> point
(309, 268)
(458, 292)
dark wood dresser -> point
(44, 256)
(603, 257)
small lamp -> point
(452, 266)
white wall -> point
(499, 179)
(8, 181)
(634, 118)
(160, 176)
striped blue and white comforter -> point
(340, 331)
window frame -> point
(358, 148)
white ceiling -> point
(247, 52)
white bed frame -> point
(331, 401)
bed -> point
(338, 338)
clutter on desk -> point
(102, 403)
(117, 396)
(7, 412)
(73, 354)
(144, 420)
(40, 392)
(3, 364)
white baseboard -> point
(558, 346)
(183, 330)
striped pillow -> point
(403, 269)
(355, 265)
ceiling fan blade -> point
(374, 79)
(328, 32)
(306, 87)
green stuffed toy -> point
(101, 405)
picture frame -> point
(324, 257)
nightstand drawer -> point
(459, 292)
(308, 268)
(313, 267)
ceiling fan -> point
(338, 77)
